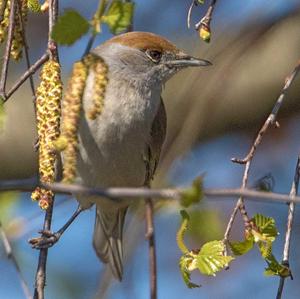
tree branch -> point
(271, 120)
(6, 57)
(10, 255)
(286, 248)
(40, 278)
(137, 193)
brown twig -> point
(286, 248)
(26, 75)
(152, 250)
(6, 57)
(25, 46)
(40, 278)
(194, 3)
(271, 120)
(137, 193)
(10, 255)
(205, 21)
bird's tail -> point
(107, 239)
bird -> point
(121, 147)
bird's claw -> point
(46, 240)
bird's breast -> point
(113, 146)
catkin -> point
(68, 141)
(17, 42)
(48, 110)
(72, 105)
(100, 70)
(5, 21)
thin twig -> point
(26, 75)
(137, 193)
(194, 3)
(152, 249)
(271, 120)
(10, 255)
(6, 57)
(25, 46)
(40, 278)
(205, 21)
(287, 243)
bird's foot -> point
(46, 240)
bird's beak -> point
(184, 60)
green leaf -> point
(275, 268)
(240, 248)
(180, 234)
(265, 248)
(201, 1)
(8, 201)
(211, 258)
(34, 5)
(119, 16)
(69, 27)
(184, 264)
(193, 194)
(267, 230)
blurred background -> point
(213, 115)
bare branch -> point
(194, 3)
(150, 235)
(287, 243)
(10, 255)
(6, 57)
(25, 46)
(271, 120)
(26, 75)
(138, 193)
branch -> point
(271, 120)
(152, 249)
(25, 46)
(6, 57)
(40, 278)
(205, 21)
(26, 75)
(10, 255)
(137, 193)
(286, 248)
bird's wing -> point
(156, 140)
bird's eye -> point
(154, 55)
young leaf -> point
(267, 230)
(240, 248)
(265, 249)
(69, 27)
(211, 258)
(274, 268)
(182, 230)
(119, 16)
(193, 194)
(184, 264)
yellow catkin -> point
(5, 21)
(17, 42)
(71, 114)
(72, 105)
(100, 70)
(48, 110)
